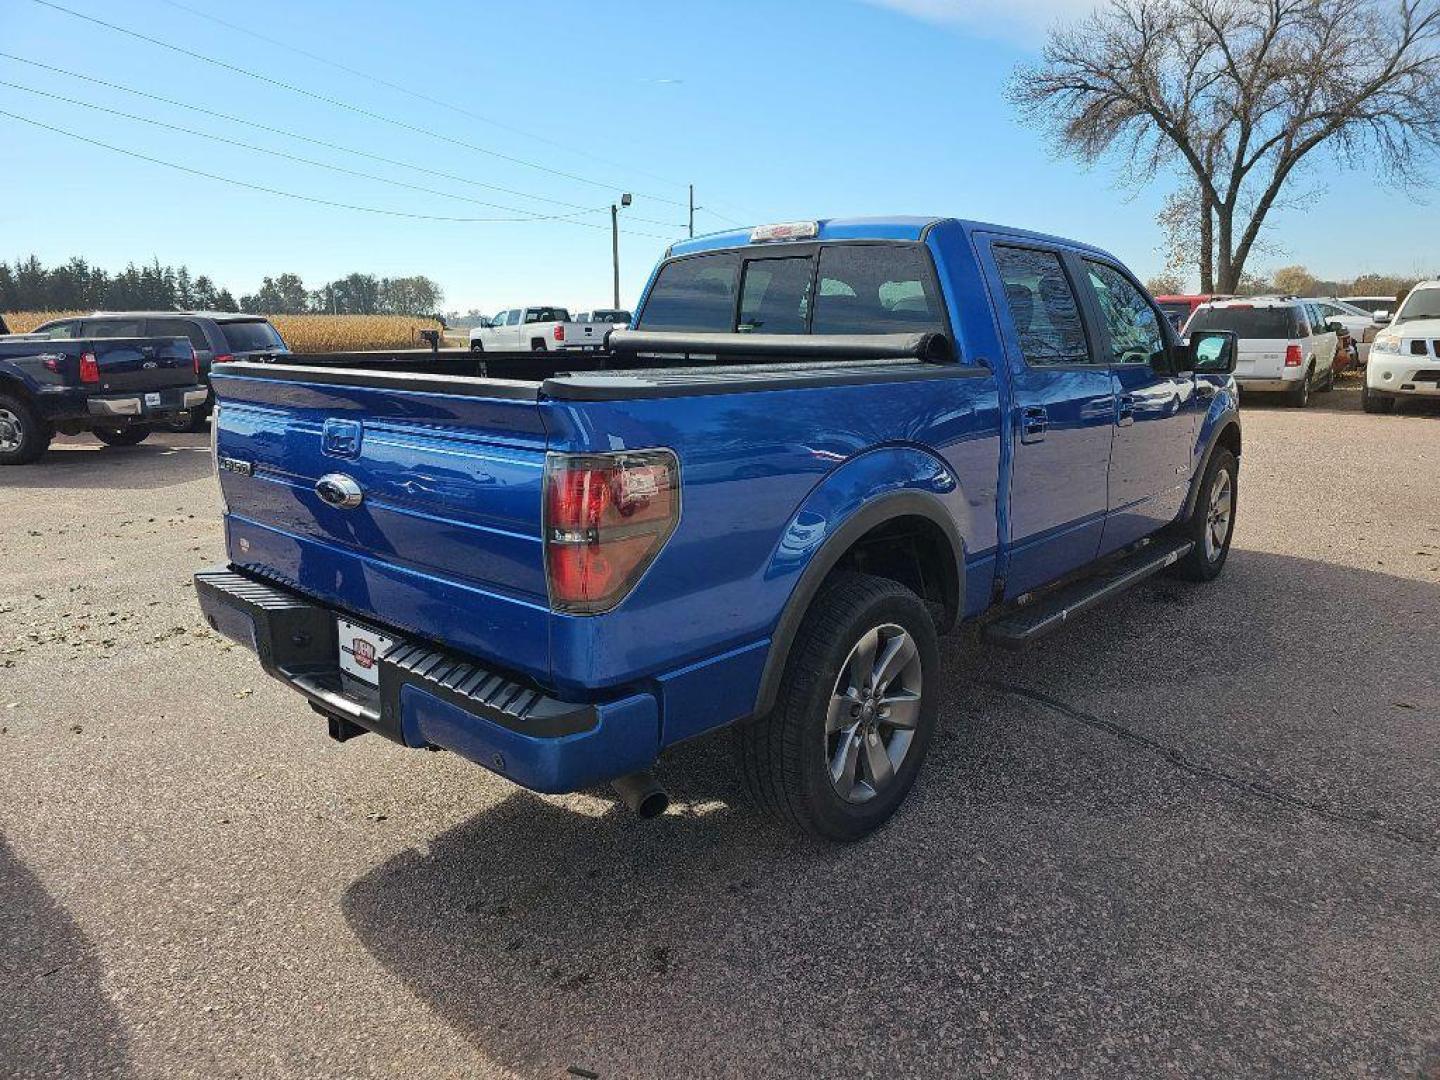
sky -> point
(774, 109)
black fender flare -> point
(1227, 420)
(896, 504)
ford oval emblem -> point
(339, 491)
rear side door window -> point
(70, 328)
(1042, 307)
(1136, 336)
(775, 296)
(694, 294)
(178, 328)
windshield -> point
(251, 335)
(1248, 322)
(1371, 304)
(1420, 304)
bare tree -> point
(1238, 95)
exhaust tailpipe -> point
(642, 794)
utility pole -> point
(625, 200)
(692, 211)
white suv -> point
(1285, 345)
(1405, 358)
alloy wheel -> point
(12, 431)
(874, 712)
(1218, 514)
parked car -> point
(1380, 307)
(1405, 358)
(1361, 324)
(617, 318)
(534, 329)
(1178, 308)
(119, 388)
(217, 337)
(715, 526)
(1286, 345)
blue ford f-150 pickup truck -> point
(115, 387)
(822, 444)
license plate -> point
(152, 400)
(360, 650)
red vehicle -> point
(1178, 309)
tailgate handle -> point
(339, 491)
(341, 438)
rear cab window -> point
(854, 288)
(250, 335)
(112, 328)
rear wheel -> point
(538, 345)
(124, 436)
(1300, 395)
(1372, 402)
(23, 435)
(855, 712)
(1212, 522)
(477, 346)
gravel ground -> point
(1196, 833)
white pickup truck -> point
(534, 329)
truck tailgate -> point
(133, 365)
(445, 542)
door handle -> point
(1033, 423)
(1126, 414)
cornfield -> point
(303, 333)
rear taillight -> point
(195, 361)
(222, 358)
(1292, 356)
(606, 518)
(559, 332)
(89, 368)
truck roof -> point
(218, 316)
(899, 227)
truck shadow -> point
(55, 1019)
(1040, 854)
(163, 460)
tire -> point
(1372, 402)
(125, 436)
(1329, 383)
(786, 758)
(538, 345)
(1212, 546)
(477, 346)
(1300, 396)
(24, 436)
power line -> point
(338, 103)
(260, 187)
(531, 215)
(231, 118)
(399, 88)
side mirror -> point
(1212, 352)
(1382, 316)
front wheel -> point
(124, 436)
(1372, 402)
(1212, 522)
(23, 435)
(855, 712)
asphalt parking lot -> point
(1196, 833)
